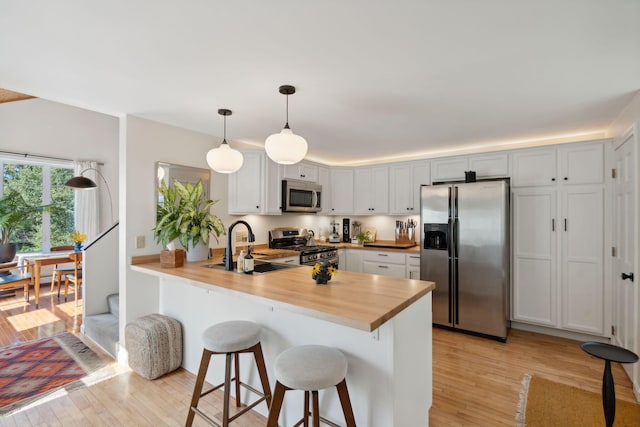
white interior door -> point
(625, 290)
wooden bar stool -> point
(311, 368)
(230, 338)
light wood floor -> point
(476, 382)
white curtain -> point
(87, 218)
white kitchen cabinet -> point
(582, 279)
(354, 260)
(391, 264)
(581, 163)
(246, 185)
(255, 188)
(558, 257)
(405, 180)
(570, 164)
(371, 190)
(413, 266)
(303, 171)
(324, 179)
(534, 167)
(272, 204)
(449, 169)
(534, 256)
(341, 191)
(492, 165)
(342, 259)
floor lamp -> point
(83, 183)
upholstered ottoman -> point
(154, 343)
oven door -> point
(301, 196)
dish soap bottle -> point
(240, 263)
(248, 262)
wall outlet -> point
(140, 242)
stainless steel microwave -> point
(301, 196)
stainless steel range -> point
(302, 241)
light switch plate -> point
(140, 242)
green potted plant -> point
(363, 236)
(184, 215)
(14, 210)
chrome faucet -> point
(228, 262)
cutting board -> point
(390, 244)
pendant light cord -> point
(224, 138)
(286, 125)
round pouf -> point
(310, 367)
(231, 336)
(154, 344)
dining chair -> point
(74, 277)
(18, 276)
(59, 270)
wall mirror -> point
(168, 172)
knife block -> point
(405, 236)
(172, 259)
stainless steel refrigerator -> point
(465, 251)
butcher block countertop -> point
(357, 300)
(381, 245)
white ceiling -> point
(375, 79)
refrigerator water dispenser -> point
(436, 236)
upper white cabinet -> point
(246, 185)
(449, 169)
(492, 165)
(581, 164)
(570, 164)
(341, 196)
(255, 188)
(303, 171)
(371, 190)
(533, 167)
(405, 180)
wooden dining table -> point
(36, 267)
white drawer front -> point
(386, 257)
(413, 260)
(393, 270)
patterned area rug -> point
(32, 370)
(547, 403)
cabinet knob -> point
(257, 207)
(553, 179)
(303, 175)
(566, 178)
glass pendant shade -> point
(224, 159)
(286, 147)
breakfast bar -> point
(382, 324)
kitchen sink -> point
(258, 266)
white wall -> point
(45, 128)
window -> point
(41, 183)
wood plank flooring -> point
(476, 382)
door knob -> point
(626, 276)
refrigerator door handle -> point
(457, 296)
(451, 267)
(456, 237)
(449, 238)
(450, 204)
(455, 202)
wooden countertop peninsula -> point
(357, 300)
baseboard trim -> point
(577, 336)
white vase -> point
(198, 253)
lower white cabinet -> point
(558, 257)
(413, 266)
(384, 263)
(354, 260)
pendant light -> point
(286, 147)
(224, 159)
